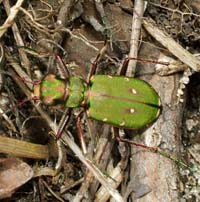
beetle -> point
(120, 101)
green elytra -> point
(117, 100)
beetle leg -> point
(126, 61)
(124, 67)
(63, 68)
(21, 103)
(120, 139)
(81, 133)
(152, 149)
(63, 122)
(95, 63)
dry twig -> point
(18, 38)
(135, 35)
(10, 19)
(176, 49)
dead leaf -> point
(13, 174)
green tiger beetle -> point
(117, 100)
(121, 101)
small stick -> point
(18, 39)
(10, 19)
(135, 35)
(176, 49)
(23, 149)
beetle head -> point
(51, 90)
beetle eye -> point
(36, 90)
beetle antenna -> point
(28, 80)
(21, 103)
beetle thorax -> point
(77, 89)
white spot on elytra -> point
(110, 77)
(105, 119)
(127, 79)
(132, 110)
(134, 91)
(122, 124)
(158, 113)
